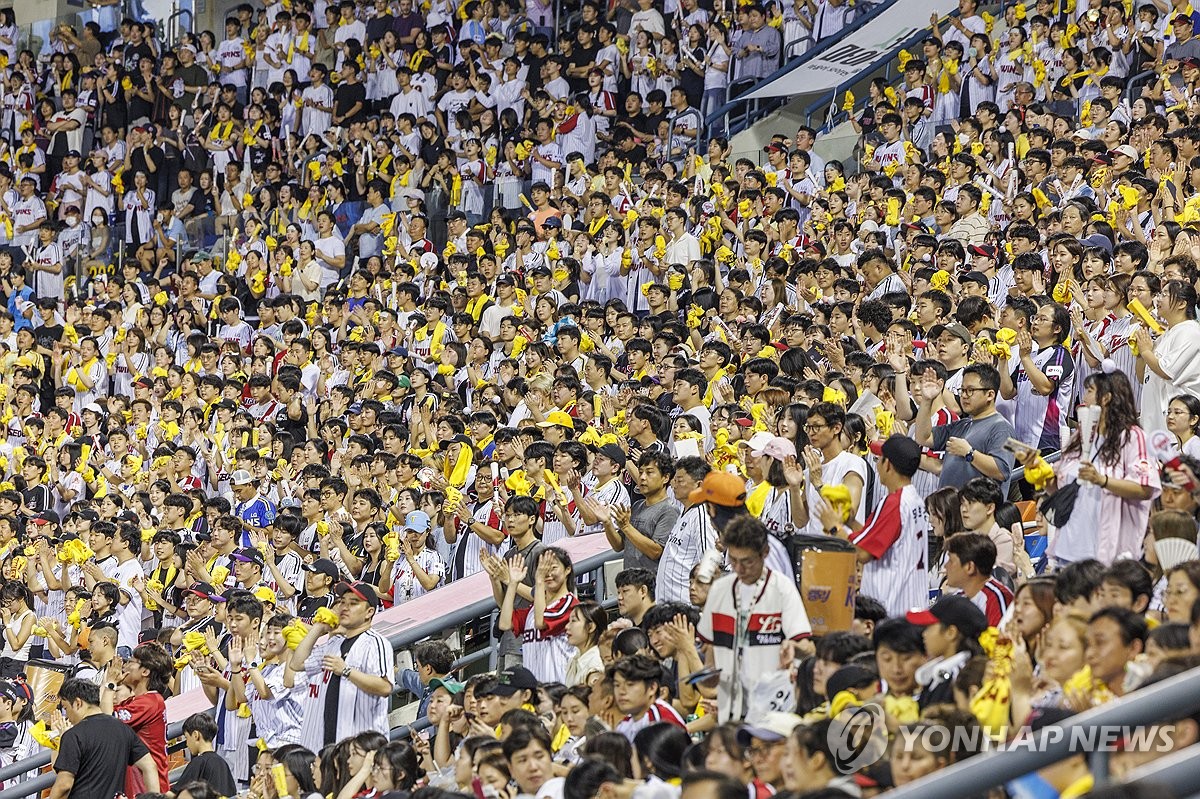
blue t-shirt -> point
(19, 321)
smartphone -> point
(1015, 446)
(477, 788)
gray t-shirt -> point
(986, 435)
(653, 521)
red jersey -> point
(147, 716)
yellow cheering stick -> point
(45, 736)
(838, 497)
(1137, 309)
(1038, 473)
(294, 633)
(75, 617)
(327, 617)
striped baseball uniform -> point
(897, 538)
(692, 535)
(335, 707)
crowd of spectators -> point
(318, 314)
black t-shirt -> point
(95, 751)
(345, 97)
(211, 768)
(308, 606)
(138, 163)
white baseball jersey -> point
(897, 537)
(335, 707)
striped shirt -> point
(336, 708)
(1038, 418)
(691, 536)
(897, 538)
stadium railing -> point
(1173, 698)
(738, 113)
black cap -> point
(364, 591)
(509, 681)
(975, 277)
(249, 555)
(202, 590)
(954, 610)
(323, 566)
(902, 452)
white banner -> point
(858, 50)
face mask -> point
(72, 221)
(97, 220)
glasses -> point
(812, 428)
(964, 391)
(762, 750)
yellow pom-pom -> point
(325, 616)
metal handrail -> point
(1176, 771)
(815, 50)
(1170, 699)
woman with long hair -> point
(1171, 369)
(1116, 483)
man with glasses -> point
(765, 744)
(974, 444)
(349, 673)
(826, 461)
(753, 618)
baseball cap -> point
(614, 454)
(417, 521)
(202, 590)
(986, 250)
(1127, 150)
(974, 277)
(241, 478)
(355, 407)
(47, 517)
(720, 488)
(849, 676)
(248, 555)
(1181, 19)
(773, 726)
(509, 681)
(743, 419)
(955, 329)
(778, 448)
(452, 686)
(364, 591)
(552, 221)
(1098, 240)
(323, 566)
(558, 419)
(758, 441)
(901, 451)
(506, 280)
(954, 610)
(774, 147)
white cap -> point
(241, 478)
